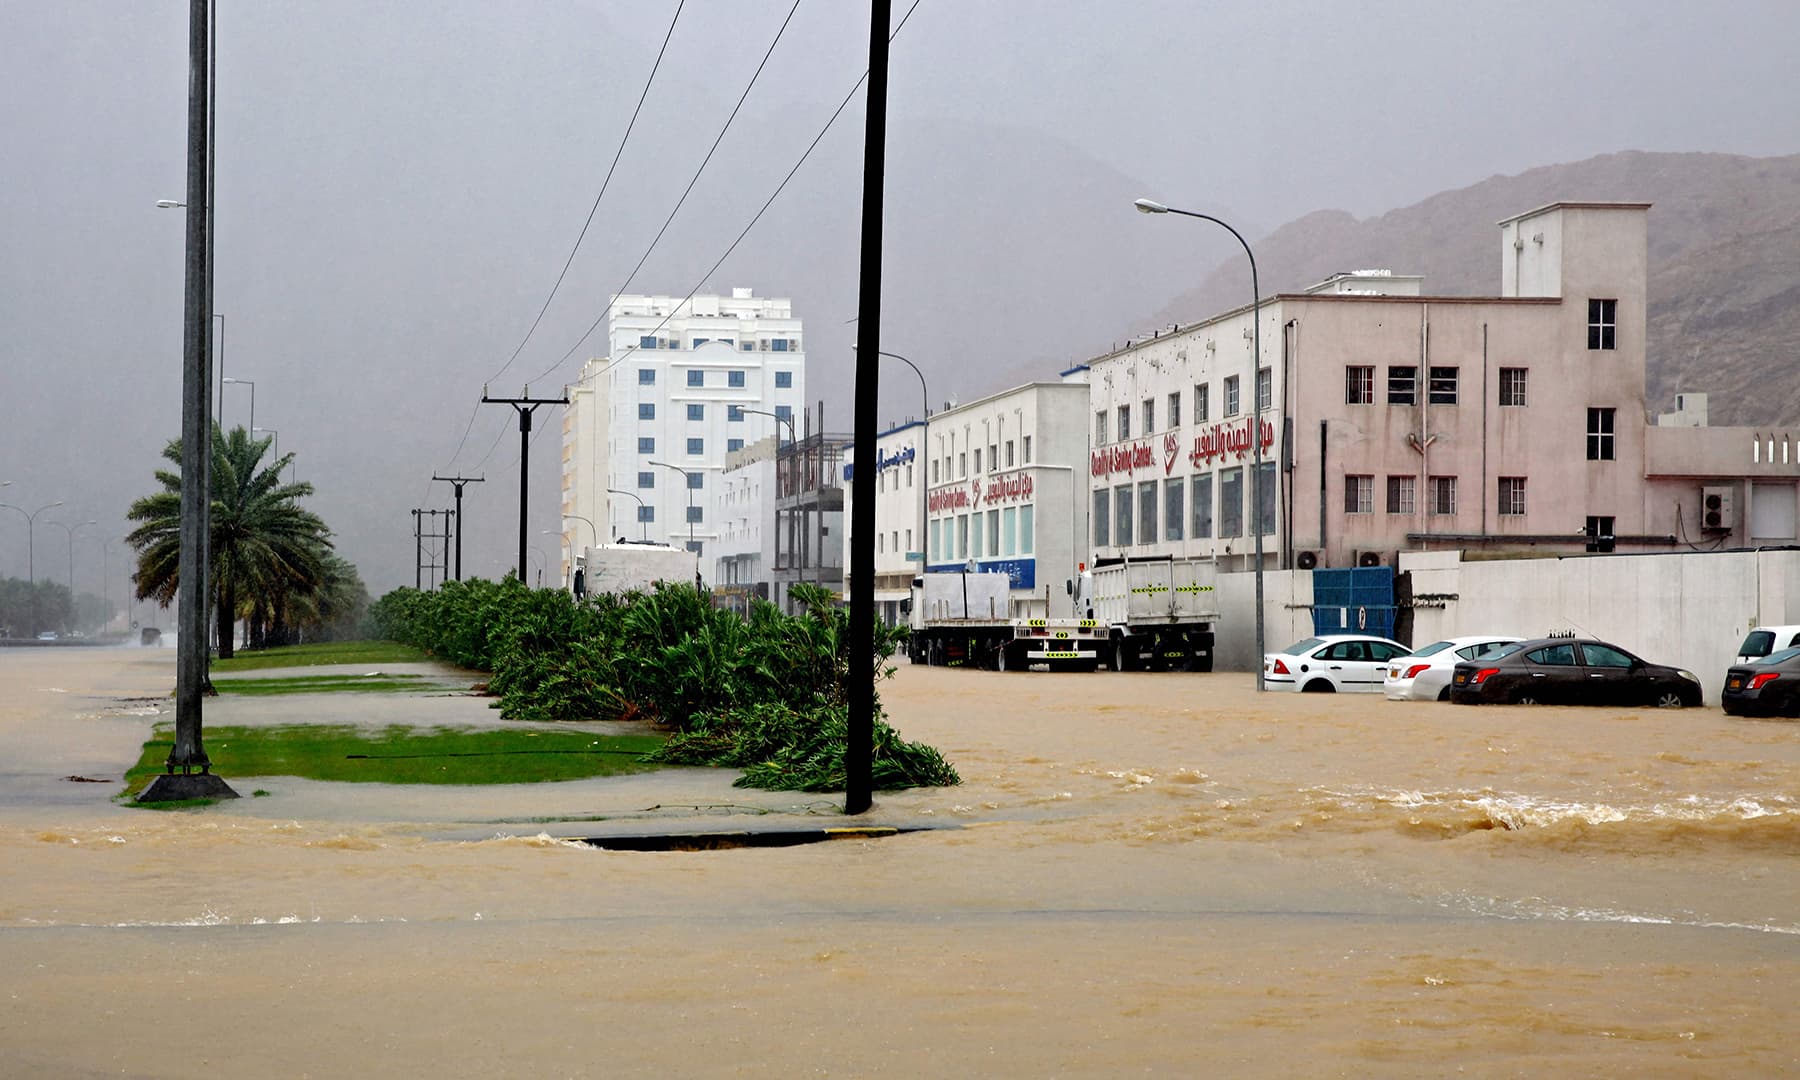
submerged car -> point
(1571, 671)
(1424, 675)
(1331, 664)
(1763, 640)
(1766, 687)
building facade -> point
(685, 382)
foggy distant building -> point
(676, 387)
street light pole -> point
(687, 479)
(924, 442)
(31, 536)
(643, 526)
(1150, 206)
(775, 503)
(71, 530)
(251, 383)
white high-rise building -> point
(684, 382)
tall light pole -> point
(687, 479)
(924, 441)
(1150, 206)
(72, 530)
(275, 434)
(643, 526)
(563, 544)
(251, 383)
(31, 536)
(176, 204)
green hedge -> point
(767, 694)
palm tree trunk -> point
(227, 617)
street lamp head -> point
(240, 382)
(169, 204)
(1150, 206)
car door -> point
(1345, 662)
(1610, 678)
(1380, 655)
(1553, 675)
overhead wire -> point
(779, 188)
(582, 235)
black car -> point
(1570, 671)
(1766, 687)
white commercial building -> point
(684, 383)
(744, 554)
(1003, 492)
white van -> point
(1767, 639)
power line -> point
(746, 230)
(604, 184)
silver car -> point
(1425, 674)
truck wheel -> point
(1003, 659)
(1122, 657)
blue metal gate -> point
(1357, 601)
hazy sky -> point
(399, 185)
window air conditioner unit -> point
(1369, 558)
(1716, 510)
(1307, 560)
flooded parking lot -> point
(1162, 874)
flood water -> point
(1141, 875)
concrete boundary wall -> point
(1690, 609)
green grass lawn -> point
(320, 684)
(404, 755)
(328, 652)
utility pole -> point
(459, 482)
(524, 405)
(860, 737)
(422, 533)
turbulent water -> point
(1141, 874)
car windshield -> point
(1504, 651)
(1778, 657)
(1757, 644)
(1431, 649)
(1307, 645)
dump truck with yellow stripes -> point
(1155, 614)
(963, 620)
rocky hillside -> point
(1724, 264)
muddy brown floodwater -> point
(1141, 875)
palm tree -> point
(262, 543)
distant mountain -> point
(1724, 283)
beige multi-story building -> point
(1393, 420)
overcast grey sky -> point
(399, 184)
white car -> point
(1425, 675)
(1331, 664)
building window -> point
(1403, 386)
(1443, 496)
(1102, 504)
(1100, 428)
(696, 412)
(1122, 515)
(784, 380)
(1401, 494)
(699, 341)
(1231, 503)
(696, 446)
(1443, 386)
(962, 537)
(962, 464)
(993, 534)
(1174, 509)
(693, 514)
(694, 546)
(1010, 519)
(647, 479)
(975, 535)
(1600, 434)
(934, 470)
(696, 377)
(1600, 533)
(1124, 422)
(1146, 533)
(671, 343)
(696, 480)
(1231, 396)
(993, 456)
(734, 413)
(1512, 385)
(1026, 514)
(1149, 415)
(749, 346)
(1265, 388)
(784, 412)
(1603, 322)
(1359, 494)
(734, 379)
(1201, 394)
(733, 444)
(648, 341)
(646, 410)
(1174, 411)
(1025, 450)
(1512, 496)
(646, 376)
(1265, 498)
(778, 345)
(1359, 385)
(1009, 454)
(646, 444)
(1203, 506)
(646, 513)
(978, 461)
